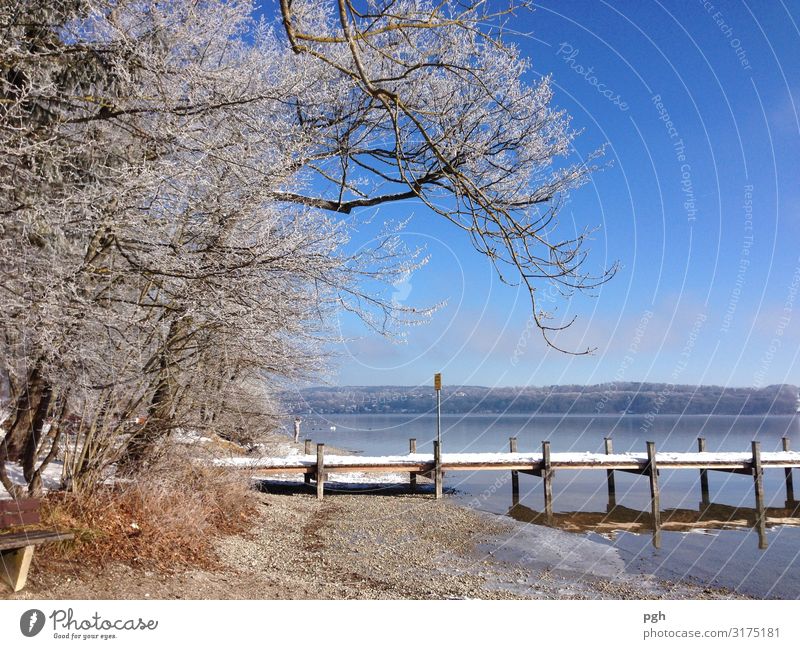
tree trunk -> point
(20, 423)
(159, 413)
(35, 482)
(158, 416)
(30, 451)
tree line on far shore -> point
(606, 398)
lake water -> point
(717, 548)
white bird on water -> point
(333, 428)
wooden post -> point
(705, 500)
(790, 502)
(320, 470)
(412, 448)
(547, 476)
(512, 445)
(307, 451)
(612, 489)
(437, 461)
(655, 497)
(758, 480)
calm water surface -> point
(718, 547)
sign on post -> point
(437, 445)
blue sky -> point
(703, 214)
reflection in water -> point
(709, 516)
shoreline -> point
(385, 544)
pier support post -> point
(612, 489)
(437, 470)
(790, 501)
(308, 451)
(412, 479)
(705, 499)
(655, 496)
(547, 477)
(320, 470)
(512, 445)
(758, 480)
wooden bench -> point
(16, 545)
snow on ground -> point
(51, 477)
(190, 437)
(342, 480)
(283, 449)
(299, 460)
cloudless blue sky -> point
(683, 307)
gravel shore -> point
(388, 545)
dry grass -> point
(164, 520)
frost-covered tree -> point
(148, 271)
(172, 180)
(425, 100)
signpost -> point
(437, 384)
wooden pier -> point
(317, 467)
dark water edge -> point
(729, 559)
(714, 547)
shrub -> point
(166, 518)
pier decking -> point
(424, 462)
(318, 466)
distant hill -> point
(606, 398)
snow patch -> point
(51, 477)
